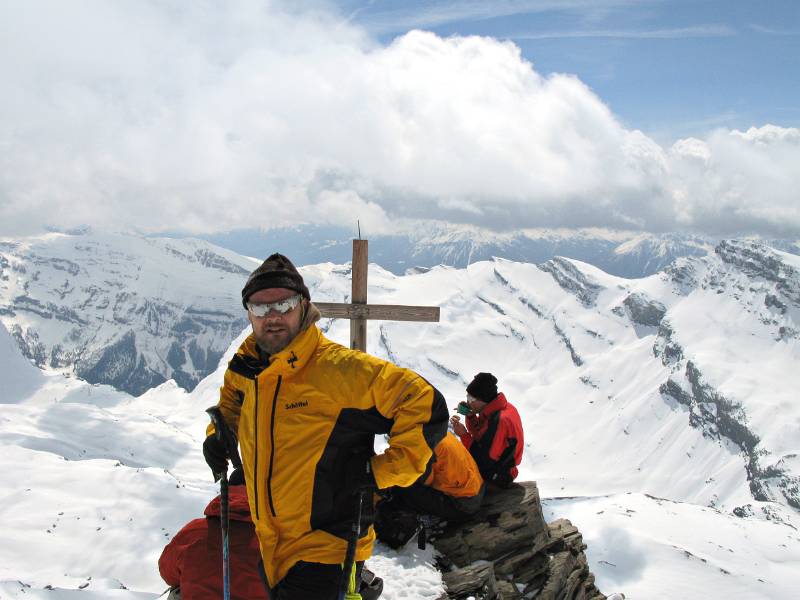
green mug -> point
(464, 409)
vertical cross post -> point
(358, 311)
(358, 326)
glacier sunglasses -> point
(262, 309)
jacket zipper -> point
(272, 445)
(255, 446)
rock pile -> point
(508, 552)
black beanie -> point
(483, 387)
(275, 272)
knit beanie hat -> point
(275, 272)
(483, 387)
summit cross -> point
(358, 311)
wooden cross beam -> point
(359, 311)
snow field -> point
(651, 548)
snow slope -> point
(655, 548)
(658, 416)
(22, 378)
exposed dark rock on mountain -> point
(29, 343)
(572, 280)
(666, 347)
(644, 311)
(576, 359)
(756, 260)
(508, 552)
(683, 274)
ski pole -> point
(227, 438)
(226, 561)
(350, 554)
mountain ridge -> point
(425, 244)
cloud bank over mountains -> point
(208, 117)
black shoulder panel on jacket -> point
(436, 428)
(480, 449)
(332, 505)
(246, 366)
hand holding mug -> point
(458, 426)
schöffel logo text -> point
(298, 404)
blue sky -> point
(669, 67)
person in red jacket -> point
(493, 434)
(192, 560)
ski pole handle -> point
(225, 435)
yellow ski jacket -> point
(299, 418)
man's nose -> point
(273, 315)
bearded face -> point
(275, 330)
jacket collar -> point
(498, 404)
(296, 355)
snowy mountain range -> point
(660, 414)
(427, 244)
(125, 310)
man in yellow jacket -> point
(306, 411)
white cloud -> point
(210, 116)
(739, 181)
(346, 207)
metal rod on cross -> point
(358, 311)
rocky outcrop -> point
(665, 346)
(644, 311)
(571, 279)
(774, 279)
(683, 274)
(761, 262)
(508, 552)
(576, 359)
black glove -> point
(215, 454)
(236, 477)
(358, 476)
